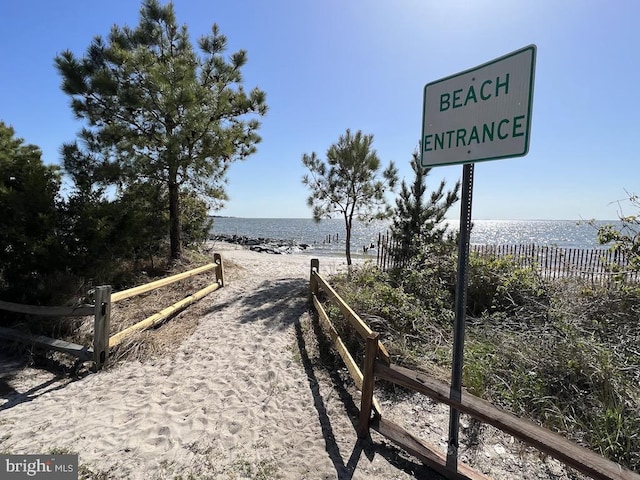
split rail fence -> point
(593, 264)
(103, 341)
(377, 365)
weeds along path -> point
(240, 398)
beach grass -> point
(561, 353)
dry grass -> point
(162, 339)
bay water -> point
(328, 236)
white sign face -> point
(480, 114)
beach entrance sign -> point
(480, 114)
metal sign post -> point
(461, 306)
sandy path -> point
(240, 399)
(244, 397)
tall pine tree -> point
(160, 112)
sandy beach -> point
(244, 396)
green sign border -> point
(533, 49)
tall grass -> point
(564, 354)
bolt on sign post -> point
(480, 114)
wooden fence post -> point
(313, 281)
(368, 381)
(217, 259)
(101, 326)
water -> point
(560, 233)
(322, 236)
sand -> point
(242, 397)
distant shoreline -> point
(330, 234)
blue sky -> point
(362, 64)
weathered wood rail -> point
(153, 320)
(361, 327)
(82, 352)
(101, 310)
(376, 365)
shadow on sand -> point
(345, 471)
(281, 303)
(277, 303)
(12, 365)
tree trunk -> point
(348, 223)
(174, 220)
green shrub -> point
(404, 322)
(624, 239)
(570, 383)
(29, 245)
(497, 284)
(563, 354)
(430, 279)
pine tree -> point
(347, 183)
(29, 246)
(418, 217)
(158, 112)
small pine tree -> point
(418, 219)
(348, 184)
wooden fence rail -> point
(81, 352)
(377, 365)
(361, 327)
(597, 265)
(101, 311)
(159, 317)
(163, 314)
(148, 287)
(74, 311)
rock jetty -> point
(263, 245)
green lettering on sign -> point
(481, 133)
(456, 98)
(482, 94)
(444, 102)
(517, 125)
(504, 84)
(474, 135)
(488, 133)
(471, 95)
(449, 134)
(427, 142)
(502, 122)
